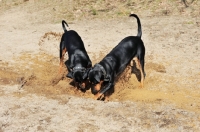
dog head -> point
(79, 75)
(97, 75)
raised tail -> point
(139, 25)
(63, 25)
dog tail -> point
(139, 25)
(63, 25)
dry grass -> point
(86, 9)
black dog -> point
(78, 63)
(108, 69)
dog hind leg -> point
(140, 66)
(62, 54)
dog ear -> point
(85, 74)
(97, 78)
(69, 75)
(89, 64)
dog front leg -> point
(102, 91)
(67, 63)
(63, 50)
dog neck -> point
(102, 69)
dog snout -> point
(94, 90)
(82, 85)
(96, 87)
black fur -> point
(78, 63)
(114, 63)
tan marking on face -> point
(97, 87)
(83, 85)
(142, 84)
(75, 84)
(137, 62)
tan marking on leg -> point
(61, 59)
(138, 65)
(125, 75)
(136, 62)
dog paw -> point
(141, 86)
(97, 96)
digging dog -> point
(114, 63)
(78, 63)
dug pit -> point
(38, 74)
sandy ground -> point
(170, 100)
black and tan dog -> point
(113, 64)
(78, 63)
